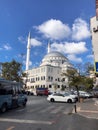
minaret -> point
(49, 48)
(28, 52)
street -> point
(39, 114)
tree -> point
(78, 80)
(88, 67)
(84, 69)
(12, 71)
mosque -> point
(50, 72)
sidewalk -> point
(88, 108)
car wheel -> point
(4, 108)
(52, 100)
(69, 101)
(24, 103)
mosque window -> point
(50, 86)
(51, 78)
(43, 86)
(42, 77)
(32, 86)
(58, 86)
(58, 79)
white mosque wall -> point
(46, 76)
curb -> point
(82, 113)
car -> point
(71, 94)
(58, 97)
(83, 94)
(29, 92)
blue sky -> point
(63, 23)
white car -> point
(83, 94)
(58, 97)
(71, 95)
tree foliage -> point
(12, 71)
(78, 80)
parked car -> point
(72, 95)
(29, 92)
(83, 94)
(95, 93)
(58, 97)
(42, 91)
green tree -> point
(12, 71)
(77, 81)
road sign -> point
(96, 67)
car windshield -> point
(66, 94)
(58, 94)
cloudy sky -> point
(63, 23)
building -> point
(94, 36)
(49, 73)
(94, 33)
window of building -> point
(51, 78)
(58, 86)
(50, 86)
(59, 79)
(43, 86)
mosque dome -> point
(54, 58)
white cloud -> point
(54, 29)
(22, 39)
(73, 57)
(80, 30)
(35, 42)
(90, 56)
(70, 48)
(7, 47)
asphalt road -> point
(39, 114)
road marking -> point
(25, 121)
(10, 128)
(90, 111)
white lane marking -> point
(25, 121)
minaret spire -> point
(49, 47)
(28, 52)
